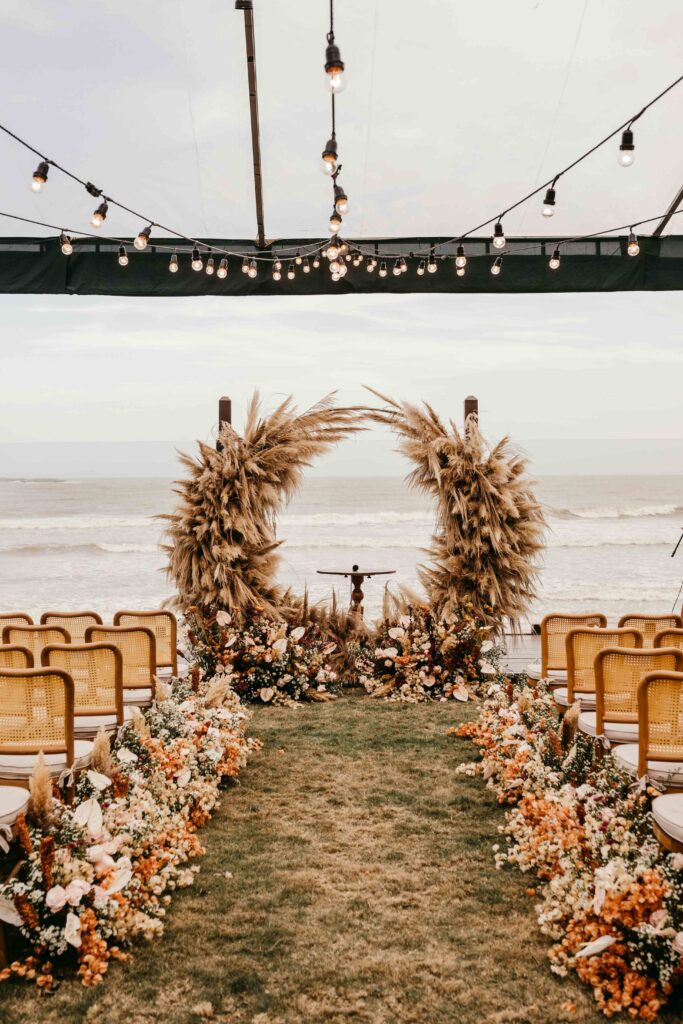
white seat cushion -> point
(616, 732)
(669, 773)
(141, 697)
(13, 802)
(89, 725)
(556, 676)
(20, 766)
(668, 813)
(561, 696)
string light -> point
(335, 266)
(173, 263)
(421, 268)
(632, 248)
(334, 65)
(341, 200)
(460, 271)
(297, 258)
(498, 236)
(253, 269)
(197, 262)
(554, 261)
(396, 269)
(65, 244)
(40, 176)
(627, 148)
(335, 222)
(497, 265)
(222, 271)
(277, 271)
(329, 157)
(343, 248)
(382, 269)
(371, 264)
(306, 266)
(100, 215)
(123, 256)
(290, 272)
(316, 261)
(142, 239)
(210, 266)
(431, 265)
(549, 203)
(245, 265)
(460, 258)
(333, 249)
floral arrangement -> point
(99, 872)
(265, 661)
(422, 657)
(610, 897)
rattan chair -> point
(650, 625)
(14, 656)
(37, 714)
(658, 754)
(138, 650)
(582, 647)
(15, 619)
(669, 638)
(554, 629)
(165, 628)
(35, 638)
(97, 672)
(618, 671)
(75, 623)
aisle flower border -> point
(610, 896)
(99, 872)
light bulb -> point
(65, 244)
(549, 203)
(328, 167)
(343, 248)
(403, 266)
(142, 239)
(316, 261)
(335, 266)
(498, 236)
(297, 258)
(277, 265)
(323, 253)
(460, 258)
(633, 248)
(335, 223)
(343, 271)
(382, 269)
(421, 268)
(222, 268)
(277, 275)
(210, 266)
(348, 257)
(245, 265)
(431, 266)
(173, 264)
(357, 259)
(332, 251)
(627, 149)
(100, 215)
(197, 261)
(253, 269)
(335, 276)
(554, 260)
(336, 83)
(40, 176)
(497, 265)
(396, 269)
(341, 200)
(329, 156)
(123, 256)
(370, 266)
(460, 271)
(306, 266)
(290, 272)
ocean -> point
(71, 544)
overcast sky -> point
(451, 112)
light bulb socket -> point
(123, 256)
(41, 172)
(627, 143)
(497, 265)
(142, 239)
(173, 264)
(100, 214)
(334, 65)
(65, 244)
(210, 266)
(549, 197)
(222, 268)
(460, 258)
(498, 236)
(382, 269)
(330, 151)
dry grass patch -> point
(363, 892)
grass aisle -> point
(362, 890)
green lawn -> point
(362, 889)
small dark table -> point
(358, 577)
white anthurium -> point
(297, 633)
(126, 756)
(597, 946)
(55, 898)
(118, 880)
(89, 815)
(486, 668)
(678, 943)
(183, 777)
(397, 632)
(76, 890)
(487, 646)
(280, 646)
(72, 930)
(97, 779)
(460, 692)
(266, 693)
(390, 652)
(223, 619)
(8, 912)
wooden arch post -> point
(224, 416)
(471, 407)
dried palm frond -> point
(489, 525)
(222, 536)
(101, 753)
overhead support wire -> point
(248, 8)
(669, 213)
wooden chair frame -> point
(631, 622)
(546, 666)
(23, 618)
(111, 640)
(660, 639)
(18, 647)
(47, 748)
(644, 718)
(117, 707)
(66, 637)
(64, 617)
(592, 632)
(631, 652)
(173, 663)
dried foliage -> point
(489, 525)
(222, 537)
(41, 803)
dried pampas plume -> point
(41, 803)
(101, 753)
(217, 692)
(222, 537)
(489, 526)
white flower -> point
(126, 756)
(89, 815)
(280, 646)
(460, 692)
(486, 668)
(658, 919)
(8, 912)
(597, 946)
(76, 890)
(677, 861)
(678, 943)
(397, 633)
(55, 898)
(223, 619)
(72, 931)
(297, 633)
(97, 780)
(183, 777)
(487, 646)
(266, 693)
